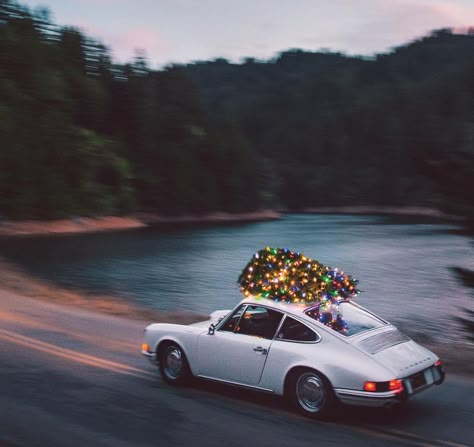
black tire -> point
(311, 394)
(174, 367)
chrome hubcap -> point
(310, 392)
(174, 363)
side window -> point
(259, 322)
(295, 331)
(231, 323)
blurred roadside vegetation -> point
(466, 277)
(81, 135)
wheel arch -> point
(325, 403)
(166, 341)
(300, 368)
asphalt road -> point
(74, 378)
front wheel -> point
(311, 393)
(174, 367)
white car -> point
(285, 349)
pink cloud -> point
(124, 45)
(399, 22)
(457, 14)
(431, 13)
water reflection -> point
(403, 269)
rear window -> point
(346, 318)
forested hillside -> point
(395, 129)
(80, 135)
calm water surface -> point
(403, 268)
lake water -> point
(403, 266)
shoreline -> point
(409, 211)
(210, 218)
(14, 280)
(82, 225)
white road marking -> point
(74, 356)
(121, 368)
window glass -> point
(357, 319)
(295, 331)
(259, 322)
(346, 318)
(231, 323)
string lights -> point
(285, 276)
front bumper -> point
(412, 385)
(150, 355)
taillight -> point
(370, 386)
(438, 363)
(395, 385)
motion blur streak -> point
(73, 355)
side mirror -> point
(212, 329)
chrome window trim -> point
(348, 337)
(246, 305)
(369, 312)
(318, 336)
(283, 315)
(229, 316)
(279, 326)
(296, 341)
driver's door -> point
(238, 350)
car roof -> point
(291, 308)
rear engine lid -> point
(406, 358)
(397, 352)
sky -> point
(182, 31)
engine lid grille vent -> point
(379, 342)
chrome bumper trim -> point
(150, 355)
(434, 375)
(368, 399)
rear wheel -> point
(311, 393)
(174, 366)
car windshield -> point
(346, 318)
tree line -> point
(82, 135)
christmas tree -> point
(282, 275)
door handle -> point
(261, 350)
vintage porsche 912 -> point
(286, 349)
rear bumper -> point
(433, 375)
(367, 399)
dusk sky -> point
(189, 30)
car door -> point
(238, 350)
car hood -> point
(214, 318)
